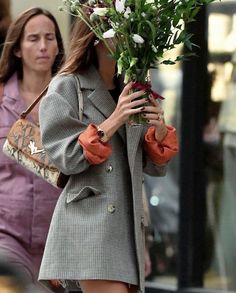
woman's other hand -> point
(155, 117)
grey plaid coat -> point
(97, 228)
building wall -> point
(52, 5)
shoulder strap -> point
(35, 102)
(80, 95)
(1, 90)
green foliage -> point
(142, 30)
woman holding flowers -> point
(96, 237)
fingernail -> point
(143, 108)
(144, 115)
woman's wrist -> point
(161, 133)
(103, 137)
(107, 128)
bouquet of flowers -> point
(141, 31)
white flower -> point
(120, 5)
(143, 14)
(137, 39)
(127, 12)
(91, 2)
(109, 34)
(100, 11)
(150, 1)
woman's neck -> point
(30, 87)
(32, 84)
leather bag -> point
(23, 144)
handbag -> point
(23, 144)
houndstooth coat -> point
(97, 230)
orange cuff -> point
(161, 152)
(95, 151)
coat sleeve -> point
(150, 167)
(60, 126)
(153, 169)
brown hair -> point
(5, 17)
(9, 63)
(81, 52)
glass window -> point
(220, 141)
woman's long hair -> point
(9, 63)
(5, 19)
(81, 52)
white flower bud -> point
(127, 12)
(109, 34)
(138, 39)
(154, 49)
(120, 5)
(100, 11)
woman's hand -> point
(155, 116)
(128, 105)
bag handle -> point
(35, 102)
(81, 100)
(1, 91)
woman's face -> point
(38, 46)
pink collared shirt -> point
(26, 201)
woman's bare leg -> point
(104, 286)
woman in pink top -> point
(32, 53)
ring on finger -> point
(160, 117)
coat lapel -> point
(133, 138)
(100, 96)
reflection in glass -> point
(220, 138)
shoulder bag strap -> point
(80, 95)
(1, 91)
(35, 102)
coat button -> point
(109, 168)
(111, 208)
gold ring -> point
(160, 117)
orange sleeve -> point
(161, 152)
(95, 151)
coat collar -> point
(100, 96)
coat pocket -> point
(85, 192)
